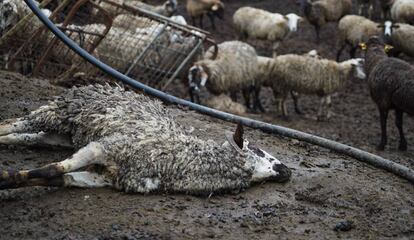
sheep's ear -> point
(286, 18)
(215, 7)
(238, 136)
(363, 46)
(388, 48)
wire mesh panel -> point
(139, 43)
(26, 46)
(148, 47)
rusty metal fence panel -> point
(141, 44)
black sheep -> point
(391, 83)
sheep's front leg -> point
(399, 124)
(329, 107)
(93, 153)
(322, 103)
(41, 139)
(295, 97)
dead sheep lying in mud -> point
(263, 25)
(307, 75)
(233, 70)
(135, 145)
(225, 104)
(391, 84)
(354, 30)
(401, 37)
(319, 12)
(199, 8)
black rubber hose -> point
(358, 154)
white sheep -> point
(136, 144)
(401, 37)
(233, 70)
(199, 8)
(354, 30)
(307, 75)
(320, 12)
(263, 25)
(403, 11)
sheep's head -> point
(218, 9)
(265, 166)
(171, 7)
(293, 21)
(388, 28)
(376, 44)
(197, 77)
(358, 66)
(8, 11)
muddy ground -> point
(326, 188)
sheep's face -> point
(8, 11)
(358, 66)
(170, 6)
(293, 21)
(197, 77)
(265, 167)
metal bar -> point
(139, 56)
(192, 53)
(356, 153)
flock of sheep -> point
(293, 74)
(143, 149)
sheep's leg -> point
(201, 20)
(295, 97)
(399, 124)
(338, 54)
(83, 179)
(14, 126)
(211, 17)
(352, 51)
(317, 30)
(274, 48)
(246, 95)
(321, 107)
(383, 120)
(233, 96)
(93, 153)
(41, 139)
(329, 107)
(257, 103)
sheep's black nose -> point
(283, 173)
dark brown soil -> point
(327, 190)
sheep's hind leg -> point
(41, 139)
(399, 124)
(383, 120)
(321, 108)
(14, 126)
(83, 179)
(295, 97)
(93, 153)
